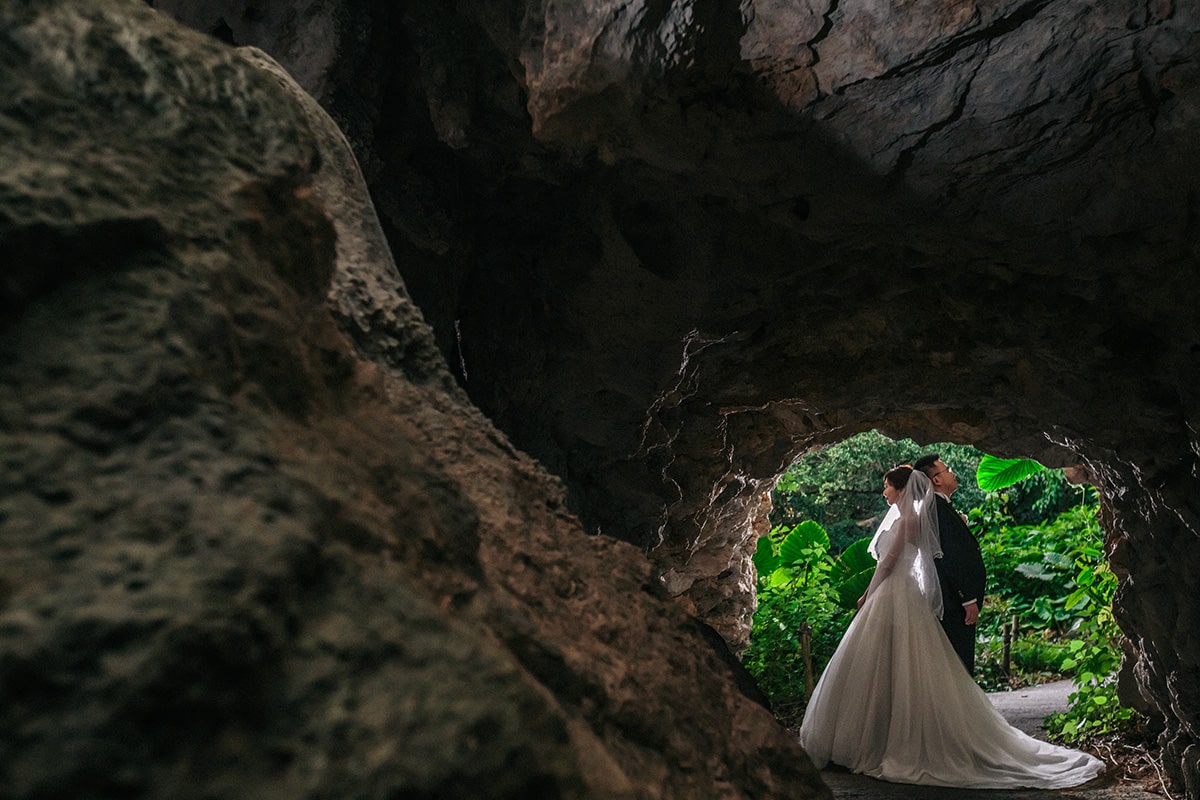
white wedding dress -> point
(895, 701)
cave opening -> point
(1049, 585)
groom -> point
(960, 569)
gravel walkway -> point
(1024, 709)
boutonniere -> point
(962, 516)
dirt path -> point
(1024, 709)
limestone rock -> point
(669, 247)
(254, 541)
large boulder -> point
(255, 541)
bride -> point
(896, 702)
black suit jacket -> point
(960, 569)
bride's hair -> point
(898, 476)
(910, 522)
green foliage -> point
(1054, 578)
(994, 474)
(801, 583)
(774, 656)
(800, 557)
(1095, 709)
(1039, 497)
(1033, 567)
(1036, 656)
(840, 487)
(851, 573)
(766, 560)
(805, 550)
(1095, 657)
(1032, 572)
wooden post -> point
(806, 654)
(1009, 639)
(1005, 649)
(1013, 631)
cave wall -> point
(255, 541)
(667, 248)
(670, 247)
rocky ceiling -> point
(250, 506)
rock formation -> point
(254, 540)
(665, 248)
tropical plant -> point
(801, 556)
(851, 573)
(1030, 492)
(1095, 657)
(1073, 564)
(805, 595)
(1033, 566)
(994, 474)
(1032, 572)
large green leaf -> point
(849, 590)
(851, 573)
(765, 559)
(807, 542)
(853, 560)
(995, 474)
(779, 578)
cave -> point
(390, 394)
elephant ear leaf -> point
(851, 573)
(995, 474)
(854, 559)
(765, 559)
(851, 589)
(807, 542)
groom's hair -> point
(925, 463)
